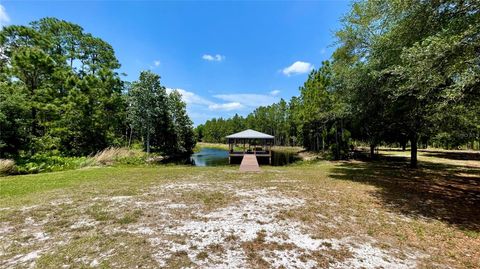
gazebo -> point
(250, 142)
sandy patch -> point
(229, 228)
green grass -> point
(41, 163)
(87, 181)
(201, 145)
(210, 199)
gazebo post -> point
(269, 153)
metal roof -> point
(250, 134)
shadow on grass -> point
(445, 192)
(465, 156)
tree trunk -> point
(413, 151)
(372, 151)
(404, 144)
(148, 143)
(323, 143)
(337, 149)
(130, 138)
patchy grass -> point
(130, 217)
(100, 250)
(209, 199)
(317, 214)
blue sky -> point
(225, 57)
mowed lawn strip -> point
(15, 190)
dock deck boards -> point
(249, 163)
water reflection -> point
(209, 157)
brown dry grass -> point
(6, 166)
(110, 155)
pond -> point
(209, 157)
(216, 157)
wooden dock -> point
(249, 163)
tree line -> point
(404, 72)
(61, 94)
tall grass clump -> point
(112, 155)
(7, 166)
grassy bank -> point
(324, 214)
(201, 145)
(41, 163)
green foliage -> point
(160, 119)
(182, 139)
(404, 65)
(14, 112)
(60, 94)
(148, 110)
(63, 89)
(42, 162)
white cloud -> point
(201, 108)
(156, 63)
(4, 18)
(274, 92)
(194, 100)
(297, 67)
(214, 58)
(226, 107)
(248, 99)
(191, 98)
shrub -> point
(44, 162)
(6, 166)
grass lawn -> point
(316, 214)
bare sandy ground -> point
(246, 229)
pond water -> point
(209, 157)
(216, 157)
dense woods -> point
(404, 72)
(60, 94)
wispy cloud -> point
(226, 107)
(156, 63)
(297, 67)
(274, 92)
(248, 99)
(194, 100)
(4, 18)
(202, 108)
(213, 58)
(191, 98)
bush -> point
(6, 166)
(47, 163)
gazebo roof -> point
(250, 134)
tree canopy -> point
(61, 94)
